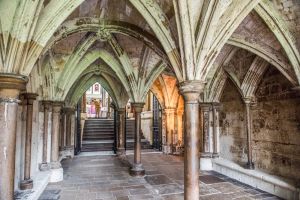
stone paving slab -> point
(106, 177)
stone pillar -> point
(27, 183)
(56, 169)
(250, 164)
(69, 148)
(83, 103)
(44, 166)
(69, 112)
(170, 126)
(62, 130)
(206, 153)
(137, 169)
(180, 126)
(216, 133)
(121, 132)
(10, 87)
(108, 115)
(191, 91)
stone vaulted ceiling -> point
(55, 43)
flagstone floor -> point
(106, 177)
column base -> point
(55, 165)
(26, 184)
(67, 152)
(121, 152)
(167, 149)
(250, 166)
(57, 175)
(44, 167)
(206, 162)
(215, 155)
(137, 170)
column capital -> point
(191, 90)
(138, 106)
(69, 110)
(30, 97)
(170, 110)
(56, 106)
(10, 87)
(205, 106)
(47, 104)
(121, 110)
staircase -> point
(98, 135)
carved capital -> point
(138, 106)
(191, 90)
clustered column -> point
(191, 91)
(47, 109)
(121, 131)
(10, 87)
(137, 168)
(27, 183)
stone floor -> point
(106, 177)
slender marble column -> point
(170, 123)
(216, 136)
(47, 108)
(56, 108)
(62, 130)
(69, 112)
(250, 164)
(191, 91)
(137, 168)
(27, 183)
(205, 146)
(10, 87)
(121, 131)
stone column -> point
(10, 87)
(62, 130)
(170, 125)
(250, 164)
(108, 115)
(69, 112)
(69, 148)
(27, 183)
(44, 166)
(56, 169)
(121, 131)
(191, 91)
(216, 133)
(83, 103)
(137, 169)
(206, 153)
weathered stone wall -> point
(146, 125)
(276, 127)
(233, 136)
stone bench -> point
(280, 187)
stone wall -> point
(276, 127)
(233, 136)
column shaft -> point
(55, 135)
(47, 107)
(137, 168)
(27, 183)
(250, 164)
(121, 131)
(10, 87)
(215, 130)
(191, 91)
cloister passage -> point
(210, 86)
